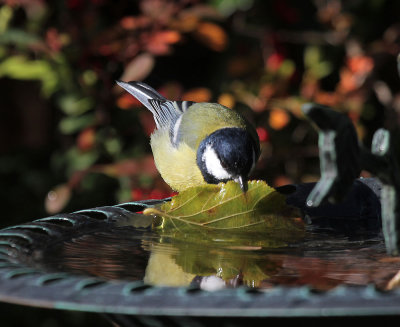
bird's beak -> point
(242, 181)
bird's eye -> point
(223, 164)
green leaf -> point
(312, 55)
(75, 105)
(314, 62)
(321, 69)
(219, 230)
(287, 68)
(19, 38)
(224, 207)
(78, 160)
(226, 8)
(74, 124)
(6, 13)
(19, 67)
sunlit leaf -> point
(348, 81)
(139, 68)
(89, 77)
(330, 99)
(74, 105)
(113, 145)
(312, 55)
(321, 69)
(73, 124)
(292, 104)
(314, 62)
(360, 64)
(19, 67)
(185, 23)
(160, 42)
(6, 14)
(212, 36)
(224, 207)
(200, 94)
(278, 118)
(132, 22)
(287, 68)
(227, 100)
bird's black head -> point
(227, 154)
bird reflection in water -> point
(139, 254)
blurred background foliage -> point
(71, 139)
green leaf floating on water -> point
(219, 230)
(224, 207)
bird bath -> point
(110, 260)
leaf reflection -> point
(134, 251)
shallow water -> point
(319, 258)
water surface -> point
(321, 259)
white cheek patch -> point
(213, 164)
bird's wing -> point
(165, 112)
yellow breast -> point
(177, 166)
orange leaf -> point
(131, 22)
(200, 94)
(226, 100)
(330, 99)
(212, 36)
(360, 64)
(278, 118)
(159, 43)
(170, 37)
(127, 101)
(348, 81)
(186, 23)
(86, 138)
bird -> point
(196, 143)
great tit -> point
(198, 143)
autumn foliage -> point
(70, 136)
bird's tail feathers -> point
(165, 112)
